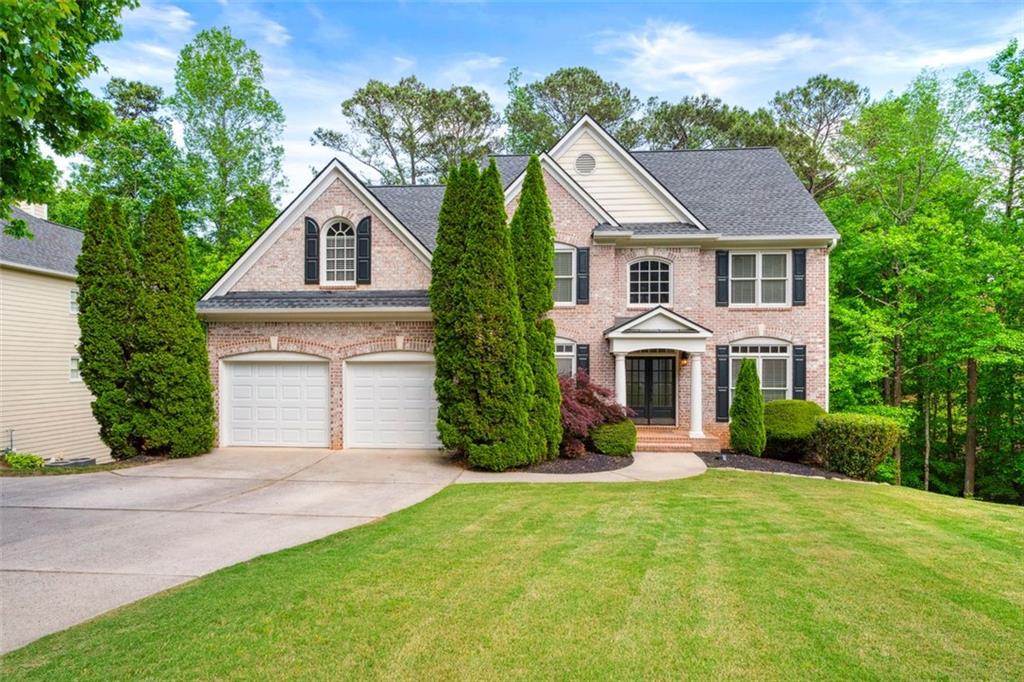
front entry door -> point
(651, 389)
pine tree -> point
(493, 384)
(455, 214)
(170, 378)
(533, 240)
(106, 297)
(746, 416)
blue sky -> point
(317, 53)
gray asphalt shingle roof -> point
(649, 228)
(54, 246)
(734, 192)
(250, 300)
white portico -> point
(648, 386)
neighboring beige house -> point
(44, 405)
(670, 267)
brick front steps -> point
(672, 439)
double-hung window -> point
(339, 257)
(73, 301)
(772, 360)
(759, 279)
(565, 357)
(74, 369)
(565, 275)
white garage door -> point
(277, 404)
(390, 405)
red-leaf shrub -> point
(585, 405)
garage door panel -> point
(278, 404)
(391, 404)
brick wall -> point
(281, 268)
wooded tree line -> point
(923, 185)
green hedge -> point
(789, 427)
(855, 444)
(20, 461)
(617, 439)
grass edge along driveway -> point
(729, 575)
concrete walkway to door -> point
(75, 546)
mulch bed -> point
(587, 464)
(716, 460)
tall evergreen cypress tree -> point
(106, 298)
(494, 386)
(533, 240)
(746, 414)
(455, 214)
(170, 378)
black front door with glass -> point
(651, 389)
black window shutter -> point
(722, 383)
(721, 278)
(312, 260)
(799, 372)
(363, 251)
(583, 275)
(583, 357)
(799, 276)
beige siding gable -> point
(612, 185)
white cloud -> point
(469, 68)
(403, 63)
(161, 16)
(247, 21)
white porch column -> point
(696, 396)
(620, 378)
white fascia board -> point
(296, 314)
(632, 166)
(660, 311)
(38, 271)
(332, 171)
(578, 193)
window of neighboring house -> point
(74, 371)
(339, 257)
(650, 282)
(759, 279)
(73, 301)
(772, 360)
(565, 275)
(565, 357)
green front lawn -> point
(729, 575)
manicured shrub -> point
(746, 415)
(533, 242)
(789, 427)
(23, 461)
(585, 406)
(107, 275)
(617, 439)
(855, 444)
(493, 387)
(170, 379)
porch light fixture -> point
(684, 359)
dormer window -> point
(339, 254)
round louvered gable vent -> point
(585, 164)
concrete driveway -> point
(72, 547)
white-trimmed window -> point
(339, 254)
(759, 278)
(650, 282)
(74, 370)
(73, 301)
(565, 275)
(565, 357)
(772, 358)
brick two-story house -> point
(670, 268)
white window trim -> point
(759, 357)
(571, 355)
(75, 369)
(671, 282)
(73, 301)
(568, 248)
(758, 279)
(323, 255)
